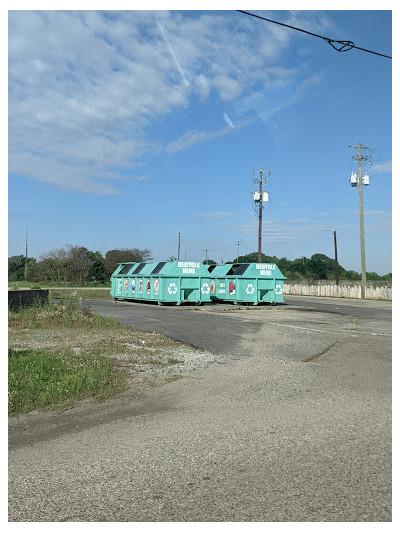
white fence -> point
(345, 289)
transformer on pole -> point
(260, 196)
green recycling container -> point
(129, 281)
(119, 283)
(247, 283)
(172, 282)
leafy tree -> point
(253, 258)
(350, 275)
(209, 262)
(78, 264)
(373, 276)
(124, 255)
(15, 263)
(16, 267)
(97, 271)
(320, 266)
(53, 266)
(300, 266)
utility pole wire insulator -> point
(346, 45)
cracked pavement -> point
(291, 422)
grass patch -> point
(62, 353)
(48, 284)
(38, 379)
(85, 294)
(170, 379)
(67, 313)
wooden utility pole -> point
(26, 256)
(260, 207)
(336, 261)
(258, 197)
(206, 255)
(237, 255)
(359, 158)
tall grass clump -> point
(69, 313)
(38, 379)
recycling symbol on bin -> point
(205, 288)
(249, 289)
(172, 288)
(278, 289)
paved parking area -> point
(293, 423)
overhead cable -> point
(339, 46)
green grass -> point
(68, 313)
(38, 379)
(60, 354)
(49, 284)
(85, 294)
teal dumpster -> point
(119, 280)
(140, 281)
(164, 282)
(128, 281)
(247, 283)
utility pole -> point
(336, 261)
(206, 255)
(260, 196)
(237, 255)
(360, 181)
(179, 244)
(26, 256)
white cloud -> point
(382, 168)
(84, 86)
(228, 120)
(192, 138)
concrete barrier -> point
(375, 290)
(27, 297)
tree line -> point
(73, 264)
(317, 267)
(80, 266)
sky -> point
(128, 127)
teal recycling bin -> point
(247, 283)
(163, 282)
(119, 280)
(131, 281)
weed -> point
(172, 361)
(39, 379)
(175, 377)
(62, 353)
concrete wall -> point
(27, 297)
(375, 290)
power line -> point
(339, 46)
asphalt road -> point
(293, 425)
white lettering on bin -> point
(265, 267)
(188, 264)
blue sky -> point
(127, 127)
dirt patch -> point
(151, 359)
